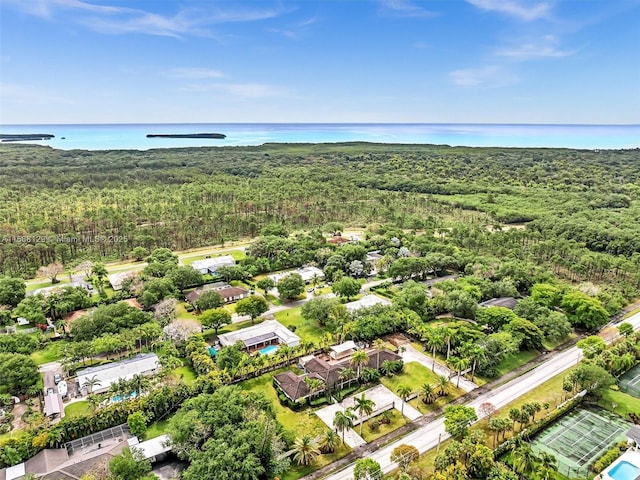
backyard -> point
(307, 330)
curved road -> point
(426, 438)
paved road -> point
(426, 438)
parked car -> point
(62, 388)
(57, 378)
(50, 391)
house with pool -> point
(265, 337)
(627, 466)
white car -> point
(62, 388)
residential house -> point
(269, 332)
(308, 274)
(365, 302)
(110, 373)
(211, 265)
(295, 388)
(228, 293)
(116, 279)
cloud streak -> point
(122, 20)
(524, 11)
(547, 47)
(490, 76)
(404, 8)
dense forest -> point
(579, 207)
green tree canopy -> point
(290, 286)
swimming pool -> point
(268, 350)
(624, 471)
(119, 398)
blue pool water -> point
(624, 471)
(268, 349)
(119, 398)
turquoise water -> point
(624, 471)
(268, 349)
(119, 398)
(133, 136)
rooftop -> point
(366, 301)
(506, 302)
(267, 329)
(109, 366)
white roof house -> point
(151, 448)
(263, 333)
(307, 274)
(211, 265)
(366, 301)
(342, 350)
(110, 373)
(116, 279)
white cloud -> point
(122, 20)
(296, 30)
(404, 8)
(195, 73)
(491, 76)
(546, 47)
(237, 90)
(523, 10)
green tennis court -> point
(580, 438)
(630, 382)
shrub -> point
(609, 456)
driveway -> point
(327, 414)
(382, 396)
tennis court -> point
(579, 438)
(630, 382)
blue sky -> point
(440, 61)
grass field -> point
(298, 423)
(77, 409)
(397, 421)
(50, 353)
(186, 374)
(508, 364)
(415, 375)
(156, 429)
(307, 330)
(619, 402)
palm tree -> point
(548, 466)
(363, 406)
(343, 421)
(313, 384)
(435, 341)
(89, 383)
(404, 391)
(378, 344)
(458, 364)
(305, 449)
(443, 385)
(524, 461)
(359, 359)
(140, 383)
(387, 368)
(427, 393)
(329, 441)
(346, 374)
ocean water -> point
(133, 136)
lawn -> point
(369, 435)
(34, 286)
(509, 364)
(298, 423)
(298, 471)
(186, 374)
(77, 409)
(156, 429)
(182, 312)
(624, 403)
(308, 330)
(236, 254)
(415, 375)
(50, 353)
